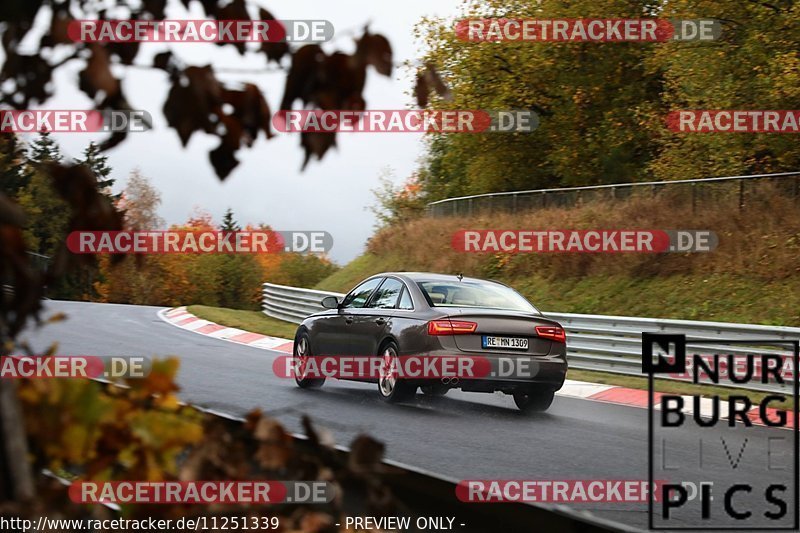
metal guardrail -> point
(735, 190)
(292, 304)
(41, 262)
(594, 342)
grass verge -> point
(254, 321)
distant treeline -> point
(176, 279)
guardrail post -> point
(694, 198)
(470, 206)
(514, 203)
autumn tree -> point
(139, 201)
(756, 65)
(397, 204)
(135, 282)
(602, 106)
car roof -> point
(431, 276)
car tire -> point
(390, 388)
(436, 389)
(302, 350)
(533, 401)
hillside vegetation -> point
(753, 276)
(603, 107)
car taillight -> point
(554, 333)
(451, 327)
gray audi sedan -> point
(404, 320)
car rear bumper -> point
(508, 372)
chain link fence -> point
(733, 191)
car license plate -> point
(514, 343)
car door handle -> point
(348, 320)
(380, 321)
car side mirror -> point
(330, 302)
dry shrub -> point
(760, 241)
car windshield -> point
(483, 294)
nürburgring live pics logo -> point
(721, 471)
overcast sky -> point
(267, 186)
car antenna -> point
(460, 276)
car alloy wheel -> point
(390, 387)
(301, 355)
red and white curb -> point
(639, 398)
(181, 318)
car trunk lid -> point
(501, 324)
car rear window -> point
(405, 301)
(479, 294)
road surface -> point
(463, 436)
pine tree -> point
(44, 149)
(98, 163)
(232, 269)
(228, 223)
(47, 213)
(15, 174)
